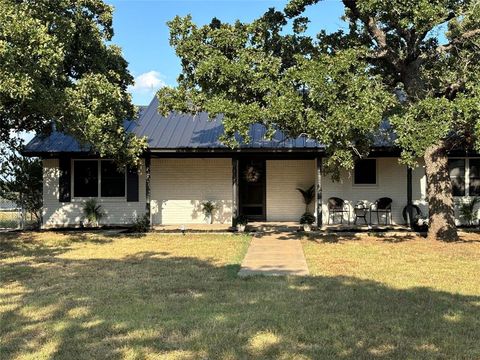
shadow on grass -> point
(153, 303)
(342, 238)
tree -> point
(21, 182)
(56, 66)
(388, 64)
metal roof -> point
(181, 132)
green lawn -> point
(84, 296)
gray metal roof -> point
(181, 131)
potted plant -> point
(308, 196)
(208, 207)
(307, 220)
(93, 213)
(240, 223)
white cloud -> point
(148, 82)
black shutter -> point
(132, 184)
(65, 180)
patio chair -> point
(382, 206)
(337, 206)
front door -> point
(252, 186)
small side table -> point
(360, 211)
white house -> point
(186, 165)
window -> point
(85, 178)
(113, 181)
(456, 169)
(474, 177)
(365, 172)
(91, 178)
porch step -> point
(273, 226)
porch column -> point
(409, 197)
(147, 188)
(318, 191)
(235, 193)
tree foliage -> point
(388, 63)
(251, 73)
(56, 65)
(21, 182)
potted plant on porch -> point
(208, 207)
(307, 220)
(308, 196)
(240, 223)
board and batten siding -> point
(70, 214)
(180, 186)
(391, 182)
(284, 201)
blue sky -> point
(141, 30)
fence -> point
(12, 216)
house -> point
(186, 165)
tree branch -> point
(376, 33)
(459, 40)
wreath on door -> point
(251, 174)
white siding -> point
(391, 182)
(284, 202)
(419, 187)
(59, 214)
(179, 186)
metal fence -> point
(13, 217)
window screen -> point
(474, 188)
(113, 180)
(456, 168)
(85, 180)
(365, 172)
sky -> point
(141, 31)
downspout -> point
(148, 211)
(318, 191)
(235, 191)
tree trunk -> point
(439, 195)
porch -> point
(264, 189)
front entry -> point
(252, 189)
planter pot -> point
(241, 227)
(209, 219)
(307, 227)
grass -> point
(86, 295)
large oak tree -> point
(390, 62)
(56, 65)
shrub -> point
(468, 212)
(141, 224)
(93, 212)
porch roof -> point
(185, 132)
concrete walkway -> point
(274, 254)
